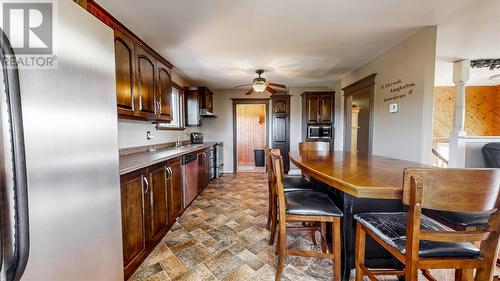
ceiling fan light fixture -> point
(259, 86)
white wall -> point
(133, 133)
(221, 128)
(406, 134)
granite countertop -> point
(136, 161)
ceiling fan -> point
(260, 85)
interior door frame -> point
(350, 91)
(235, 140)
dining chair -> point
(305, 206)
(290, 184)
(422, 243)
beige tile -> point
(197, 273)
(173, 266)
(240, 274)
(251, 259)
(223, 264)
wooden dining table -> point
(358, 183)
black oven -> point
(319, 132)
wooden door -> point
(146, 81)
(250, 131)
(174, 191)
(125, 69)
(325, 104)
(134, 206)
(164, 96)
(312, 104)
(158, 197)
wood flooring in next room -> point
(222, 235)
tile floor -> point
(222, 236)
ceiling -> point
(220, 43)
(472, 32)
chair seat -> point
(460, 220)
(291, 183)
(391, 228)
(310, 203)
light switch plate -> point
(393, 107)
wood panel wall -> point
(251, 130)
(482, 112)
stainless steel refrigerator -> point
(60, 195)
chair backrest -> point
(267, 153)
(314, 146)
(455, 190)
(278, 172)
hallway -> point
(222, 236)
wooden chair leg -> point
(269, 212)
(281, 248)
(336, 249)
(411, 272)
(360, 251)
(464, 274)
(313, 234)
(322, 231)
(274, 219)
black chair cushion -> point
(391, 228)
(459, 221)
(310, 203)
(491, 154)
(291, 183)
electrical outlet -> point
(149, 135)
(393, 107)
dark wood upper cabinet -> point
(142, 89)
(134, 205)
(325, 108)
(318, 107)
(312, 108)
(164, 94)
(199, 102)
(174, 185)
(146, 81)
(158, 196)
(125, 70)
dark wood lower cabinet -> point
(134, 219)
(203, 170)
(158, 196)
(151, 201)
(174, 186)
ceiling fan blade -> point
(271, 90)
(276, 85)
(249, 92)
(239, 86)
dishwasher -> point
(189, 170)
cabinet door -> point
(125, 69)
(279, 107)
(164, 96)
(158, 197)
(146, 81)
(134, 222)
(202, 163)
(325, 108)
(175, 206)
(312, 109)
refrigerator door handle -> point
(20, 238)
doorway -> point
(250, 134)
(358, 105)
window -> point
(177, 111)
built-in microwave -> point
(319, 132)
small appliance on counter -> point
(196, 137)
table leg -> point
(348, 237)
